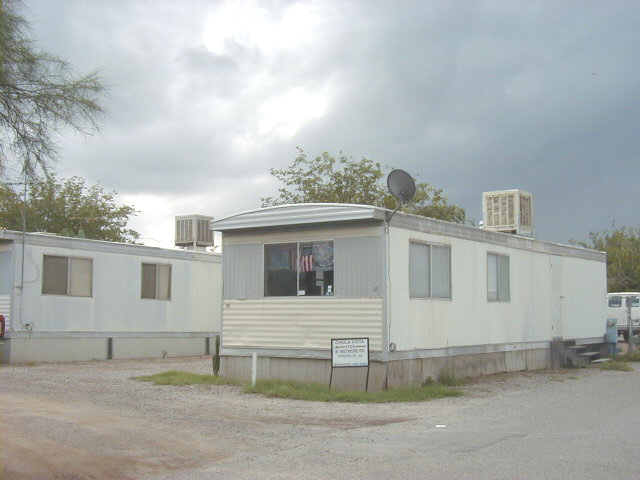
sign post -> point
(349, 352)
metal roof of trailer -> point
(306, 214)
(298, 214)
(86, 244)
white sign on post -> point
(349, 352)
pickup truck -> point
(617, 309)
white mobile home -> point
(430, 295)
(74, 299)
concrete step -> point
(591, 355)
(577, 347)
(601, 360)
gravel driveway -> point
(90, 420)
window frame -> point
(297, 242)
(156, 264)
(430, 245)
(498, 299)
(69, 269)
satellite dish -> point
(401, 185)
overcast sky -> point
(205, 97)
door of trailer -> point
(557, 297)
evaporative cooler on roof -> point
(193, 231)
(508, 211)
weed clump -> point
(617, 365)
(321, 393)
(175, 377)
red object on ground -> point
(1, 325)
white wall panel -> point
(469, 319)
(116, 304)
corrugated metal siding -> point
(5, 309)
(300, 322)
(242, 271)
(302, 234)
(358, 267)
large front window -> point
(304, 268)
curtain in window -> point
(440, 271)
(163, 282)
(80, 277)
(54, 275)
(503, 278)
(419, 270)
(492, 277)
(148, 280)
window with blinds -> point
(429, 270)
(70, 276)
(498, 281)
(156, 281)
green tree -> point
(622, 246)
(39, 94)
(69, 207)
(326, 179)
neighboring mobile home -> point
(430, 295)
(74, 299)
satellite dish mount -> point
(402, 186)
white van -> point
(618, 309)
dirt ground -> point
(90, 420)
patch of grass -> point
(617, 365)
(312, 391)
(320, 392)
(629, 357)
(175, 377)
(449, 379)
(573, 377)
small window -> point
(70, 276)
(304, 268)
(156, 281)
(498, 289)
(615, 301)
(429, 271)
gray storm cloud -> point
(204, 98)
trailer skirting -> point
(392, 373)
(81, 346)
